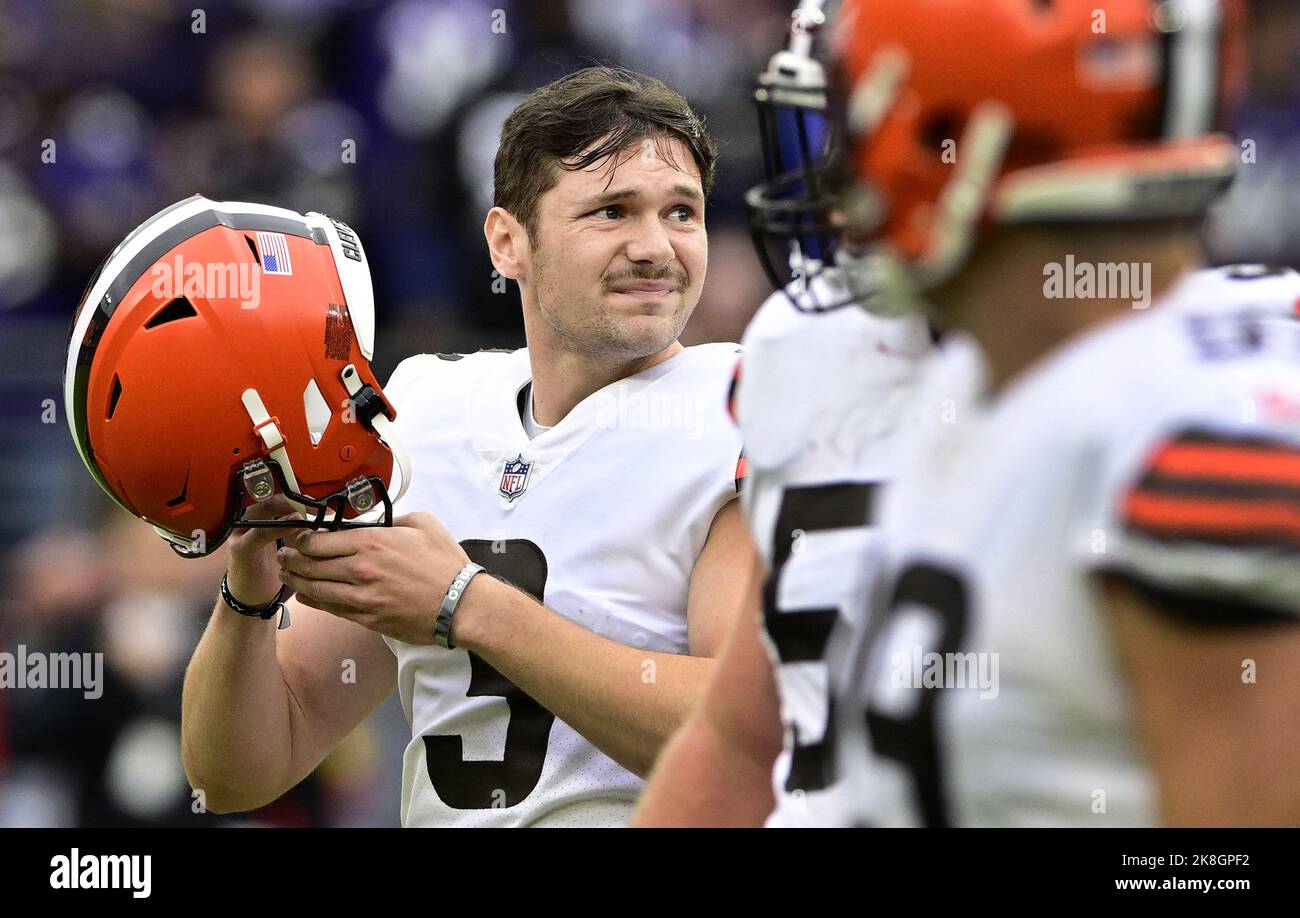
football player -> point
(1090, 613)
(820, 393)
(592, 474)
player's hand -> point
(253, 574)
(389, 579)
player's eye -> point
(682, 212)
(609, 211)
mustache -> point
(678, 278)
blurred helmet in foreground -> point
(955, 116)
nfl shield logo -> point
(514, 478)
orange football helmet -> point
(220, 355)
(958, 115)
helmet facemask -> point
(791, 211)
(808, 212)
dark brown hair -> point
(558, 126)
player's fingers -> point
(270, 509)
(318, 544)
(337, 570)
(332, 608)
(321, 591)
(251, 539)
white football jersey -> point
(1162, 448)
(602, 516)
(818, 401)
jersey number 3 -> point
(491, 785)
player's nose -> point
(650, 244)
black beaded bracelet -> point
(263, 612)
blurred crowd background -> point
(149, 101)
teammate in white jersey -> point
(1091, 552)
(593, 475)
(816, 456)
(1087, 568)
(819, 395)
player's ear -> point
(508, 243)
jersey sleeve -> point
(405, 374)
(1199, 505)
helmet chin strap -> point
(383, 427)
(268, 428)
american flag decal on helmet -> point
(274, 249)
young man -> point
(592, 475)
(1090, 552)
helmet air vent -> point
(179, 308)
(113, 397)
(177, 501)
